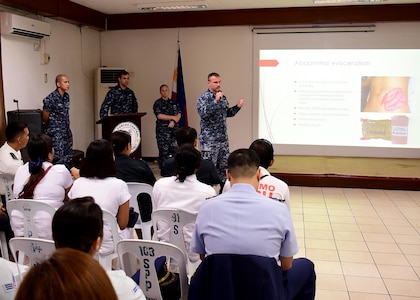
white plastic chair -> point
(29, 207)
(136, 188)
(3, 246)
(8, 185)
(37, 250)
(147, 252)
(107, 259)
(177, 219)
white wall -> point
(74, 51)
(149, 55)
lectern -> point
(127, 122)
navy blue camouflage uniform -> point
(59, 126)
(119, 101)
(165, 136)
(213, 137)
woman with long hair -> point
(41, 180)
(182, 191)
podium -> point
(127, 122)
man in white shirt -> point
(17, 136)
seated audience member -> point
(207, 173)
(269, 186)
(86, 235)
(17, 136)
(67, 275)
(98, 180)
(241, 221)
(129, 169)
(182, 191)
(132, 170)
(5, 225)
(41, 180)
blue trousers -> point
(299, 281)
(217, 153)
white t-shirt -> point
(124, 286)
(51, 190)
(109, 193)
(188, 196)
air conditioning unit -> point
(22, 26)
(105, 78)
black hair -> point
(77, 224)
(186, 135)
(122, 73)
(99, 161)
(39, 146)
(120, 139)
(243, 163)
(14, 130)
(264, 150)
(187, 161)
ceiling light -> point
(346, 1)
(187, 5)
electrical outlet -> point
(45, 78)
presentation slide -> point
(340, 97)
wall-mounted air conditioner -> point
(105, 78)
(22, 26)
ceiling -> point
(111, 7)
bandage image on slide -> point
(394, 129)
(385, 94)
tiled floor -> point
(365, 243)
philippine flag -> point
(178, 91)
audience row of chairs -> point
(131, 254)
(30, 249)
(144, 252)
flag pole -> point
(178, 90)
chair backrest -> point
(8, 185)
(176, 219)
(235, 276)
(135, 189)
(3, 246)
(29, 207)
(106, 259)
(147, 252)
(113, 224)
(37, 250)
